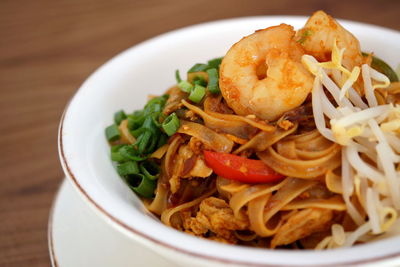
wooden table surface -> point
(48, 48)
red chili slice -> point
(240, 169)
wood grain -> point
(48, 48)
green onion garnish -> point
(119, 117)
(185, 86)
(200, 81)
(214, 63)
(150, 169)
(171, 124)
(130, 153)
(383, 67)
(117, 157)
(112, 133)
(197, 93)
(177, 76)
(213, 78)
(141, 185)
(130, 167)
(198, 67)
(144, 141)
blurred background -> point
(48, 48)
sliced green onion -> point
(198, 67)
(130, 167)
(214, 63)
(200, 81)
(119, 117)
(150, 169)
(162, 140)
(383, 67)
(213, 78)
(141, 185)
(177, 76)
(135, 122)
(185, 86)
(144, 140)
(116, 148)
(197, 93)
(154, 140)
(171, 124)
(112, 133)
(117, 157)
(130, 153)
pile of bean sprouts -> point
(370, 146)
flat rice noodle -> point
(306, 169)
(174, 100)
(160, 152)
(171, 153)
(287, 149)
(245, 238)
(256, 216)
(263, 140)
(126, 136)
(307, 155)
(333, 203)
(289, 191)
(314, 144)
(305, 137)
(236, 128)
(333, 182)
(159, 204)
(263, 208)
(241, 198)
(167, 214)
(199, 169)
(213, 107)
(183, 154)
(211, 139)
(230, 186)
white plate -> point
(148, 68)
(78, 237)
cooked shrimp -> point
(319, 35)
(262, 74)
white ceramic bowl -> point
(148, 68)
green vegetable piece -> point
(200, 81)
(185, 86)
(144, 141)
(119, 117)
(215, 63)
(162, 140)
(177, 76)
(135, 121)
(171, 124)
(116, 148)
(381, 66)
(213, 79)
(197, 93)
(141, 185)
(116, 156)
(198, 67)
(150, 169)
(112, 133)
(130, 167)
(130, 153)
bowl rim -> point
(120, 224)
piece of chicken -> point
(216, 216)
(302, 224)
